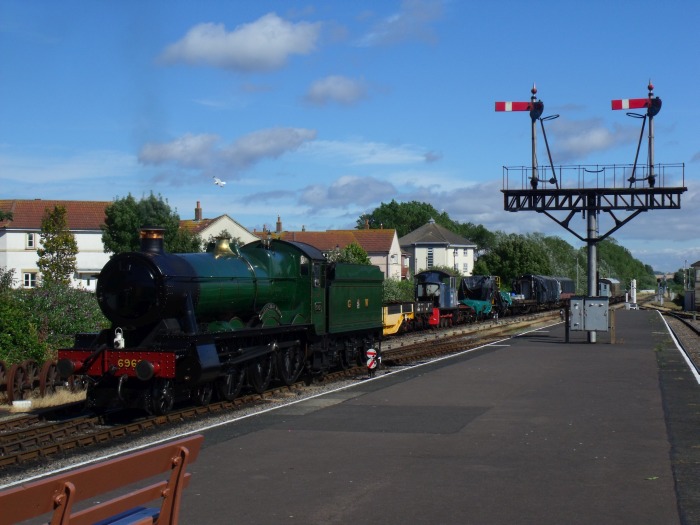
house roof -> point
(27, 214)
(222, 222)
(371, 241)
(432, 233)
(196, 226)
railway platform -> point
(526, 430)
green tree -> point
(513, 255)
(405, 217)
(57, 256)
(125, 217)
(478, 234)
(5, 215)
(447, 269)
(353, 253)
(617, 262)
(7, 278)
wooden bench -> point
(57, 494)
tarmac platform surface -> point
(528, 430)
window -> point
(429, 261)
(29, 279)
(466, 268)
(31, 241)
(466, 252)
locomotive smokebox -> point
(152, 240)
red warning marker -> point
(371, 359)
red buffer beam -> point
(513, 106)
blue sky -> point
(320, 111)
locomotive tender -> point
(186, 325)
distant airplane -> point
(219, 182)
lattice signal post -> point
(593, 189)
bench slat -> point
(39, 497)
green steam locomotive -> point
(191, 326)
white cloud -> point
(188, 151)
(263, 45)
(266, 143)
(413, 21)
(573, 140)
(347, 192)
(367, 153)
(335, 88)
(204, 152)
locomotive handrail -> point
(58, 494)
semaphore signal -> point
(653, 106)
(536, 108)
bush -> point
(397, 291)
(19, 335)
(35, 323)
(60, 312)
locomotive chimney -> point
(152, 240)
(198, 213)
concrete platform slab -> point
(530, 430)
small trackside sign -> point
(372, 359)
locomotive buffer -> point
(622, 191)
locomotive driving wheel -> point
(16, 379)
(290, 363)
(162, 397)
(229, 385)
(31, 368)
(202, 394)
(260, 373)
(345, 357)
(49, 379)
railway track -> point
(40, 436)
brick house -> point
(20, 237)
(382, 246)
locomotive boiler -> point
(188, 326)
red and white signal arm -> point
(371, 358)
(512, 106)
(630, 103)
